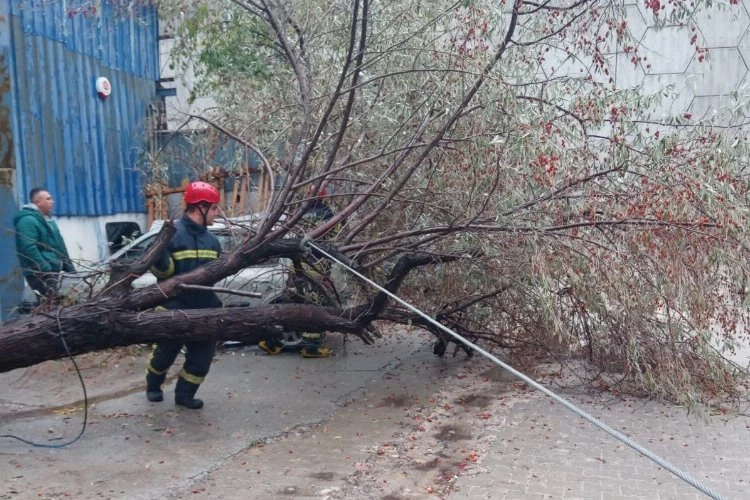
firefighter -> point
(312, 344)
(191, 246)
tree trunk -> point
(38, 339)
(117, 317)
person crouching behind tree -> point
(191, 246)
(312, 344)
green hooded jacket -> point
(39, 244)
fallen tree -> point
(95, 326)
(475, 169)
(110, 320)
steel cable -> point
(616, 434)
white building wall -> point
(714, 86)
(86, 237)
(179, 108)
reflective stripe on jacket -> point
(192, 246)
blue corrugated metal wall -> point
(11, 281)
(82, 148)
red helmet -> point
(322, 192)
(197, 192)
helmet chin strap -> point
(204, 213)
(203, 210)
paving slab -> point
(544, 451)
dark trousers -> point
(198, 358)
(43, 284)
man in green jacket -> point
(39, 244)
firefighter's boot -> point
(271, 346)
(313, 346)
(184, 394)
(153, 387)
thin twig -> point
(219, 289)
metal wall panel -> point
(105, 30)
(11, 281)
(82, 148)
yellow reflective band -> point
(164, 274)
(195, 254)
(313, 272)
(191, 378)
(153, 370)
(150, 368)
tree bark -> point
(80, 329)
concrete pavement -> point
(136, 449)
(389, 421)
(542, 451)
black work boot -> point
(313, 346)
(153, 387)
(184, 392)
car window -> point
(227, 242)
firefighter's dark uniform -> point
(192, 246)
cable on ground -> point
(85, 396)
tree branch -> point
(82, 327)
(122, 274)
(365, 314)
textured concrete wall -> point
(705, 79)
(712, 86)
